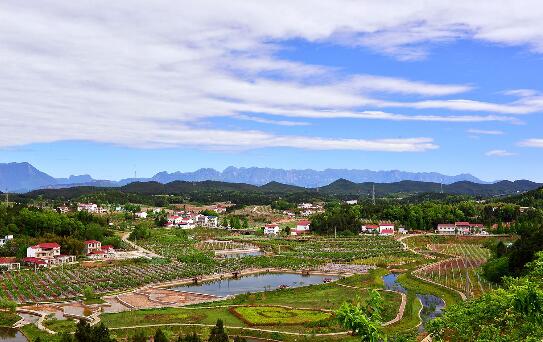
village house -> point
(91, 208)
(92, 245)
(369, 229)
(141, 215)
(206, 221)
(459, 228)
(352, 202)
(173, 220)
(219, 209)
(95, 250)
(386, 229)
(46, 254)
(5, 239)
(271, 229)
(9, 264)
(63, 209)
(302, 227)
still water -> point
(254, 283)
(11, 335)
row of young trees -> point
(100, 333)
(422, 216)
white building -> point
(142, 215)
(46, 254)
(271, 229)
(446, 228)
(302, 227)
(5, 239)
(88, 207)
(91, 208)
(386, 229)
(352, 202)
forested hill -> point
(345, 187)
(533, 198)
(342, 189)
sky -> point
(113, 88)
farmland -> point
(462, 271)
(307, 310)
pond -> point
(254, 283)
(432, 307)
(11, 335)
(392, 284)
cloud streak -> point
(534, 142)
(499, 153)
(145, 74)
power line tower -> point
(373, 194)
(441, 186)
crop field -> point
(340, 249)
(462, 272)
(69, 282)
(272, 315)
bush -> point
(494, 270)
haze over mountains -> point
(22, 177)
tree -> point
(217, 333)
(363, 320)
(239, 339)
(66, 337)
(160, 336)
(85, 333)
(139, 336)
(189, 338)
(89, 294)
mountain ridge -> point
(23, 177)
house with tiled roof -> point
(302, 227)
(46, 254)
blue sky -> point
(107, 89)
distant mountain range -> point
(23, 177)
(341, 189)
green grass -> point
(94, 301)
(272, 315)
(7, 319)
(64, 325)
(372, 279)
(32, 333)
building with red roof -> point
(459, 228)
(271, 229)
(92, 245)
(46, 254)
(302, 227)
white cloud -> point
(398, 85)
(484, 131)
(538, 143)
(271, 122)
(150, 74)
(499, 153)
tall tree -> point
(217, 333)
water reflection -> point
(11, 335)
(254, 283)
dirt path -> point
(144, 252)
(229, 327)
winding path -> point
(144, 252)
